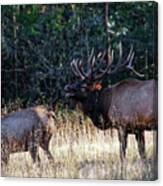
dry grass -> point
(82, 151)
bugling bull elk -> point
(130, 106)
(26, 130)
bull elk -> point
(130, 106)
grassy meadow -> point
(82, 151)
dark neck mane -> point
(97, 106)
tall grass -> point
(82, 151)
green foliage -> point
(39, 42)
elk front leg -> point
(33, 145)
(122, 134)
(141, 144)
(45, 147)
(33, 149)
(5, 153)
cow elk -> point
(26, 130)
(130, 106)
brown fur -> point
(133, 104)
(133, 109)
(26, 130)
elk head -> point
(88, 91)
(97, 68)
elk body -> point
(26, 130)
(130, 106)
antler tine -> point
(130, 53)
(110, 61)
(120, 64)
(81, 72)
(110, 56)
(100, 57)
(130, 57)
(91, 57)
(120, 53)
(93, 61)
(103, 72)
(90, 64)
(130, 67)
(99, 54)
(128, 61)
(74, 68)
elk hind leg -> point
(5, 154)
(141, 144)
(141, 147)
(155, 155)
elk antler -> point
(130, 67)
(76, 67)
(97, 73)
(121, 64)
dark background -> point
(39, 42)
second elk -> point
(26, 130)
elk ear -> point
(98, 86)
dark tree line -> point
(40, 41)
